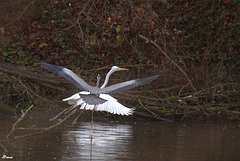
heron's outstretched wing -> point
(69, 75)
(124, 86)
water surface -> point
(131, 140)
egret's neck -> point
(107, 78)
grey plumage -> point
(98, 80)
(69, 75)
(95, 91)
(124, 86)
(92, 99)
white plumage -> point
(111, 105)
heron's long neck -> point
(107, 78)
(98, 80)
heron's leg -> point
(92, 116)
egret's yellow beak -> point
(123, 69)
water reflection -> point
(133, 140)
(105, 141)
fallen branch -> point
(47, 129)
(60, 113)
(20, 119)
(152, 117)
(52, 82)
(38, 132)
(3, 147)
(75, 120)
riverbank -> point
(192, 45)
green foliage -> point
(212, 34)
(156, 110)
(56, 12)
(15, 53)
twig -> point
(180, 91)
(20, 119)
(31, 128)
(215, 86)
(77, 21)
(75, 120)
(146, 108)
(79, 25)
(29, 91)
(3, 147)
(152, 117)
(73, 107)
(89, 19)
(166, 55)
(60, 113)
(205, 112)
(20, 15)
(39, 132)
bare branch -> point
(20, 119)
(21, 14)
(166, 55)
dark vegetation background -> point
(193, 44)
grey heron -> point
(111, 105)
(93, 97)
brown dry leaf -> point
(32, 44)
(43, 45)
(2, 30)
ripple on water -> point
(139, 140)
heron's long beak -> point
(123, 69)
